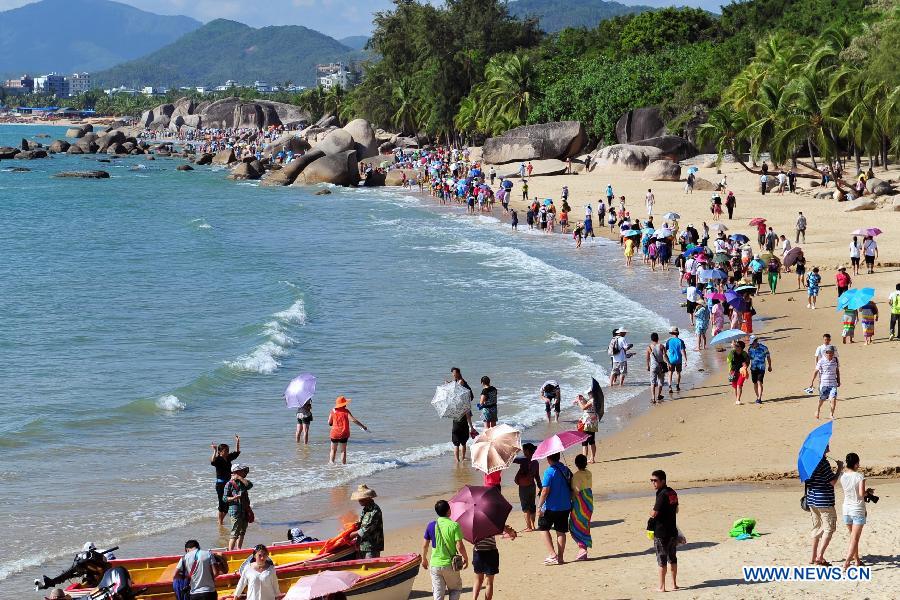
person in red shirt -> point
(340, 419)
(843, 281)
(761, 233)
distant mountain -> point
(555, 15)
(357, 42)
(222, 50)
(81, 35)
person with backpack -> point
(554, 505)
(195, 573)
(676, 349)
(618, 352)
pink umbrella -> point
(558, 443)
(718, 296)
(872, 231)
(701, 259)
(321, 584)
(480, 511)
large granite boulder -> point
(31, 154)
(674, 148)
(327, 121)
(224, 157)
(7, 152)
(335, 142)
(73, 149)
(860, 204)
(245, 170)
(340, 169)
(364, 137)
(75, 132)
(87, 145)
(288, 173)
(540, 168)
(629, 156)
(204, 159)
(640, 124)
(703, 185)
(116, 136)
(83, 175)
(879, 187)
(58, 146)
(290, 141)
(663, 170)
(561, 140)
(183, 107)
(30, 145)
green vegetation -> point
(556, 15)
(222, 50)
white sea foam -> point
(558, 338)
(264, 358)
(169, 403)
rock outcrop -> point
(673, 147)
(861, 204)
(560, 140)
(663, 170)
(31, 154)
(640, 124)
(7, 152)
(629, 156)
(340, 169)
(184, 168)
(204, 159)
(224, 157)
(879, 187)
(336, 142)
(540, 168)
(246, 170)
(83, 175)
(58, 147)
(363, 137)
(287, 174)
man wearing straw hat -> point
(58, 594)
(370, 534)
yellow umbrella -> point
(496, 448)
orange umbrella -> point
(496, 448)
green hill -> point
(357, 42)
(223, 50)
(81, 35)
(555, 15)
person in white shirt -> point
(618, 351)
(259, 578)
(694, 298)
(854, 509)
(820, 351)
(854, 255)
(651, 200)
(870, 250)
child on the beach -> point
(812, 287)
(529, 481)
(339, 420)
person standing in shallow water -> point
(339, 420)
(462, 427)
(488, 402)
(221, 460)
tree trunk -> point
(812, 155)
(884, 152)
(857, 158)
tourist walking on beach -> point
(760, 362)
(813, 280)
(554, 506)
(663, 523)
(800, 228)
(221, 461)
(676, 355)
(854, 509)
(589, 424)
(842, 280)
(486, 563)
(738, 369)
(821, 348)
(773, 272)
(370, 527)
(443, 537)
(618, 351)
(854, 255)
(582, 507)
(651, 201)
(894, 303)
(689, 183)
(237, 499)
(552, 397)
(870, 252)
(868, 315)
(701, 324)
(730, 203)
(528, 478)
(629, 250)
(820, 499)
(657, 366)
(848, 324)
(259, 578)
(828, 370)
(197, 570)
(339, 420)
(462, 428)
(488, 402)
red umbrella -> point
(757, 221)
(480, 511)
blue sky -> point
(337, 18)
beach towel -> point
(743, 529)
(580, 517)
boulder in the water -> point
(339, 169)
(83, 175)
(288, 173)
(184, 168)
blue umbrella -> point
(631, 232)
(739, 237)
(707, 274)
(693, 170)
(647, 230)
(548, 202)
(694, 250)
(507, 184)
(813, 449)
(855, 298)
(727, 336)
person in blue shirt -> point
(676, 352)
(554, 506)
(760, 359)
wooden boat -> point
(152, 577)
(386, 578)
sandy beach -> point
(727, 461)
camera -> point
(871, 497)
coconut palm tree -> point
(406, 112)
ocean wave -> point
(558, 338)
(264, 358)
(169, 403)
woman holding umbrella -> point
(868, 315)
(589, 424)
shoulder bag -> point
(803, 502)
(456, 561)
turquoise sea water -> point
(148, 315)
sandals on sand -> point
(551, 561)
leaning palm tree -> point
(406, 113)
(804, 119)
(510, 90)
(724, 127)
